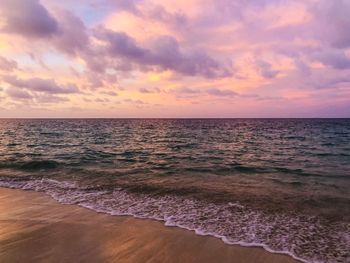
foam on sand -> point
(305, 238)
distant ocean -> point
(283, 184)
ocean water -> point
(283, 184)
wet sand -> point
(36, 228)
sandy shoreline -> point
(36, 228)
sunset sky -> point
(175, 58)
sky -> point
(174, 58)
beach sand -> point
(36, 228)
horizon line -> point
(160, 118)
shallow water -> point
(279, 183)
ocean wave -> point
(305, 238)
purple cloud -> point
(177, 19)
(49, 98)
(136, 102)
(22, 94)
(7, 65)
(149, 90)
(211, 91)
(303, 68)
(332, 22)
(17, 93)
(329, 82)
(164, 52)
(110, 93)
(73, 36)
(41, 85)
(186, 90)
(125, 5)
(221, 93)
(122, 45)
(28, 18)
(265, 69)
(334, 58)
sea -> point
(280, 184)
